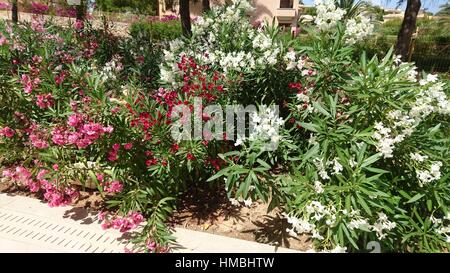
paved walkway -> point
(29, 225)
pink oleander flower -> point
(112, 156)
(106, 225)
(23, 173)
(78, 25)
(41, 174)
(7, 132)
(37, 24)
(136, 217)
(4, 5)
(74, 120)
(108, 129)
(7, 173)
(55, 167)
(93, 130)
(128, 146)
(34, 186)
(100, 177)
(116, 146)
(72, 193)
(151, 246)
(36, 59)
(3, 40)
(44, 100)
(114, 187)
(102, 215)
(37, 141)
(59, 136)
(39, 8)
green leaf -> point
(370, 160)
(309, 126)
(415, 198)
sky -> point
(430, 5)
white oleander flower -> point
(327, 14)
(318, 187)
(357, 29)
(417, 157)
(337, 167)
(382, 225)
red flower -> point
(190, 157)
(175, 148)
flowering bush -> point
(357, 151)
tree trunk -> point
(15, 11)
(185, 15)
(408, 28)
(206, 5)
(81, 10)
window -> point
(286, 4)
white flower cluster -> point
(418, 157)
(327, 14)
(386, 141)
(382, 224)
(292, 61)
(237, 202)
(336, 249)
(236, 61)
(431, 99)
(321, 167)
(318, 162)
(318, 187)
(315, 211)
(427, 176)
(111, 69)
(210, 45)
(440, 226)
(357, 29)
(266, 126)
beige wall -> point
(264, 9)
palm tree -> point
(352, 7)
(408, 27)
(14, 11)
(185, 16)
(445, 10)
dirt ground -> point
(206, 211)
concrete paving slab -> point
(29, 225)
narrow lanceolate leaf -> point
(415, 198)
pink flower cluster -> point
(78, 25)
(85, 134)
(4, 5)
(44, 100)
(38, 137)
(38, 24)
(113, 187)
(7, 132)
(112, 155)
(29, 84)
(3, 40)
(123, 224)
(39, 8)
(58, 197)
(55, 196)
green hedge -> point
(156, 31)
